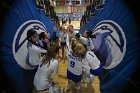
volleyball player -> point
(42, 79)
(34, 49)
(74, 70)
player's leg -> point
(78, 87)
(69, 85)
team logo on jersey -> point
(111, 43)
(20, 42)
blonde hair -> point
(80, 50)
(51, 53)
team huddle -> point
(43, 55)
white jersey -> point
(42, 79)
(63, 37)
(92, 60)
(83, 40)
(35, 54)
(88, 42)
(72, 35)
(41, 42)
(75, 65)
(98, 40)
(54, 65)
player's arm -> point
(54, 66)
(83, 40)
(54, 73)
(39, 50)
(67, 45)
(94, 64)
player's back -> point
(75, 65)
(43, 72)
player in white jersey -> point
(93, 63)
(42, 79)
(71, 32)
(44, 40)
(34, 49)
(88, 77)
(63, 41)
(74, 70)
(87, 40)
(91, 67)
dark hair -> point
(60, 28)
(51, 53)
(93, 36)
(55, 38)
(42, 35)
(89, 33)
(30, 33)
(77, 35)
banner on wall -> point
(20, 16)
(116, 46)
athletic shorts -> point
(73, 77)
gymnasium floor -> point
(62, 81)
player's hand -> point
(59, 59)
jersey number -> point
(72, 64)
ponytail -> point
(51, 53)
